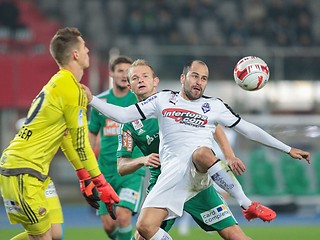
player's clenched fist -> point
(107, 194)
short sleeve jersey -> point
(109, 131)
(59, 106)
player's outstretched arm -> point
(299, 154)
(114, 112)
(129, 165)
(255, 133)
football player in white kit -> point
(187, 120)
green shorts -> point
(209, 211)
(130, 190)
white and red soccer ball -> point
(251, 73)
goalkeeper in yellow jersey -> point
(57, 117)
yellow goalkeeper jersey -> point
(59, 107)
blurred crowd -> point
(194, 22)
(183, 22)
(222, 23)
(145, 24)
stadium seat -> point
(295, 179)
(262, 174)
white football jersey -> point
(183, 124)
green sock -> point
(125, 233)
(113, 235)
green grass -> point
(257, 233)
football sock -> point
(224, 177)
(161, 235)
(21, 236)
(124, 233)
(113, 235)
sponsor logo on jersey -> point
(148, 100)
(173, 99)
(215, 215)
(50, 191)
(141, 131)
(112, 128)
(206, 107)
(80, 118)
(3, 159)
(152, 138)
(129, 195)
(127, 141)
(137, 124)
(119, 142)
(186, 117)
(12, 206)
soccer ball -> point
(251, 73)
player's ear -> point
(156, 81)
(182, 78)
(75, 54)
(110, 73)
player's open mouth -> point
(197, 89)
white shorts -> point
(178, 182)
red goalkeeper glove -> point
(88, 189)
(107, 194)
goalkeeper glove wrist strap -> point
(83, 174)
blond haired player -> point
(58, 110)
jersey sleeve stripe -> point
(81, 99)
(80, 144)
(235, 123)
(234, 113)
(140, 111)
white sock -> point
(161, 235)
(223, 176)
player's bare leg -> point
(109, 225)
(149, 221)
(57, 231)
(233, 233)
(45, 236)
(123, 222)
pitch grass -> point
(256, 233)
